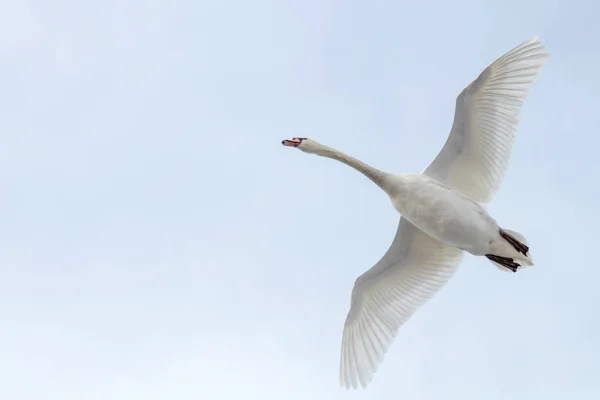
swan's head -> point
(304, 144)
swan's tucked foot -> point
(506, 262)
(520, 247)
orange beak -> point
(295, 142)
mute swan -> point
(441, 210)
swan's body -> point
(441, 210)
(449, 216)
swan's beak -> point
(295, 142)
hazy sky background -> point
(158, 242)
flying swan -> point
(442, 211)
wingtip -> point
(538, 42)
(535, 39)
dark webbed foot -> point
(504, 261)
(520, 247)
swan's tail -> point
(517, 254)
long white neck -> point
(375, 175)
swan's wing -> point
(476, 154)
(414, 268)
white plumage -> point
(476, 154)
(442, 212)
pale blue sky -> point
(158, 242)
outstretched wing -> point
(414, 268)
(476, 154)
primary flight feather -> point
(442, 211)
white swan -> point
(441, 211)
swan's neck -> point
(375, 175)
